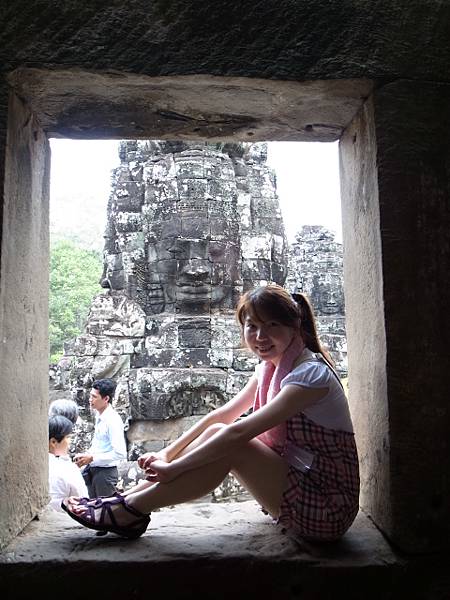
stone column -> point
(24, 175)
(395, 173)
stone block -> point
(219, 167)
(162, 332)
(161, 169)
(198, 306)
(190, 167)
(244, 360)
(214, 379)
(111, 366)
(132, 242)
(222, 227)
(225, 332)
(114, 314)
(128, 196)
(278, 271)
(222, 190)
(195, 225)
(192, 190)
(172, 358)
(220, 357)
(257, 269)
(257, 247)
(194, 333)
(161, 406)
(236, 380)
(127, 222)
(163, 196)
(143, 432)
(84, 345)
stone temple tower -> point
(316, 268)
(190, 227)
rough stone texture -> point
(302, 41)
(209, 547)
(4, 95)
(398, 279)
(275, 39)
(414, 190)
(23, 322)
(85, 105)
(316, 269)
(190, 226)
(203, 550)
(363, 282)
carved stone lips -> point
(193, 284)
(193, 289)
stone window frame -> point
(88, 105)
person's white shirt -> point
(64, 479)
(108, 446)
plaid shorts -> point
(320, 503)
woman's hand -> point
(161, 471)
(146, 459)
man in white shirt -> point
(108, 446)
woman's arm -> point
(291, 400)
(227, 413)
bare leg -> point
(260, 470)
(143, 484)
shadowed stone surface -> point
(188, 107)
(208, 539)
(394, 168)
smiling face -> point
(267, 338)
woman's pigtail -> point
(308, 327)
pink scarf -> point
(269, 380)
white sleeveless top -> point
(332, 410)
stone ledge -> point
(200, 550)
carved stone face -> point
(195, 272)
(328, 296)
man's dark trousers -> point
(100, 481)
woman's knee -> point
(213, 429)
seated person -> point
(64, 476)
(295, 453)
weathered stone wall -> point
(316, 269)
(301, 41)
(23, 320)
(363, 283)
(396, 306)
(227, 64)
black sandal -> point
(98, 501)
(89, 519)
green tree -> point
(74, 275)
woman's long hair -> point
(274, 302)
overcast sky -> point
(307, 184)
(307, 178)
